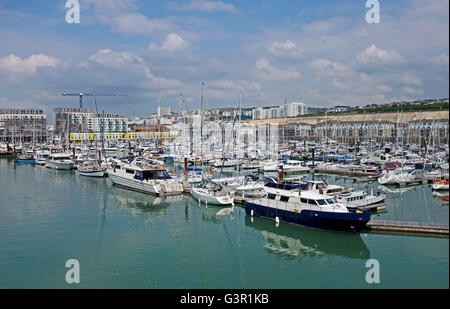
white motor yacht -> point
(143, 175)
(59, 161)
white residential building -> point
(163, 111)
(295, 109)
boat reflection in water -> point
(137, 202)
(213, 213)
(297, 242)
(395, 190)
(443, 196)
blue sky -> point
(322, 53)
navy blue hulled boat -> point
(307, 208)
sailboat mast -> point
(201, 128)
(239, 131)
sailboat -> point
(210, 192)
(93, 168)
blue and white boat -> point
(289, 203)
(26, 158)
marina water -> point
(125, 239)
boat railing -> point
(298, 207)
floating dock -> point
(345, 172)
(9, 153)
(408, 227)
(416, 181)
(374, 207)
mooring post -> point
(280, 174)
(185, 169)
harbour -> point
(210, 147)
(106, 226)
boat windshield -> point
(162, 175)
(331, 201)
(61, 158)
(321, 202)
(155, 175)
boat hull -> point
(144, 187)
(26, 161)
(440, 187)
(92, 173)
(352, 221)
(212, 200)
(134, 185)
(59, 165)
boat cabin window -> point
(312, 202)
(284, 198)
(271, 196)
(304, 200)
(321, 202)
(129, 171)
(160, 174)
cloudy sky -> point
(323, 53)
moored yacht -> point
(306, 208)
(360, 199)
(41, 157)
(59, 161)
(143, 175)
(295, 166)
(26, 158)
(441, 184)
(91, 168)
(251, 186)
(213, 193)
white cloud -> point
(160, 82)
(375, 55)
(204, 5)
(440, 61)
(404, 79)
(173, 42)
(114, 60)
(138, 24)
(266, 71)
(132, 64)
(27, 67)
(286, 49)
(384, 88)
(330, 68)
(410, 90)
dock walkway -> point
(410, 227)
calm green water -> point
(124, 239)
